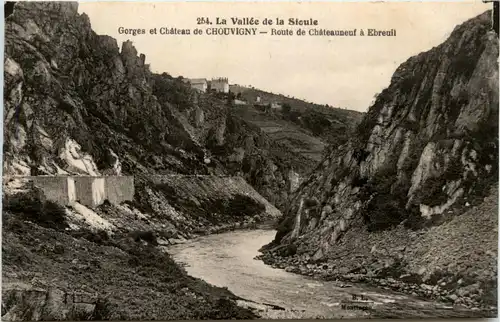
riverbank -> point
(107, 263)
(468, 297)
(453, 263)
(227, 260)
(58, 274)
(248, 224)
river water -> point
(227, 260)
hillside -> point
(50, 274)
(301, 119)
(417, 179)
(231, 143)
(283, 132)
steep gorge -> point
(410, 182)
(75, 103)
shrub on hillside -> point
(153, 259)
(415, 221)
(386, 206)
(173, 91)
(284, 227)
(103, 310)
(286, 108)
(384, 212)
(316, 122)
(99, 237)
(311, 202)
(32, 205)
(432, 193)
(147, 236)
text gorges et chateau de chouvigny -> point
(251, 26)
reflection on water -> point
(226, 260)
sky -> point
(340, 71)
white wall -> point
(87, 190)
(71, 190)
(98, 191)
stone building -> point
(199, 84)
(276, 105)
(220, 84)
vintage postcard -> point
(249, 160)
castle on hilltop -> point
(220, 84)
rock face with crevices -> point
(426, 150)
(77, 103)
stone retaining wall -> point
(90, 191)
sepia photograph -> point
(223, 160)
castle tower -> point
(220, 84)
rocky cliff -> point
(76, 102)
(426, 151)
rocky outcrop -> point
(23, 302)
(75, 103)
(427, 149)
(244, 150)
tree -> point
(286, 108)
(230, 98)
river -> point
(227, 260)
